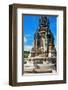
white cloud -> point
(28, 47)
(25, 39)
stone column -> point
(36, 47)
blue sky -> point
(30, 25)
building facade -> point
(43, 40)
